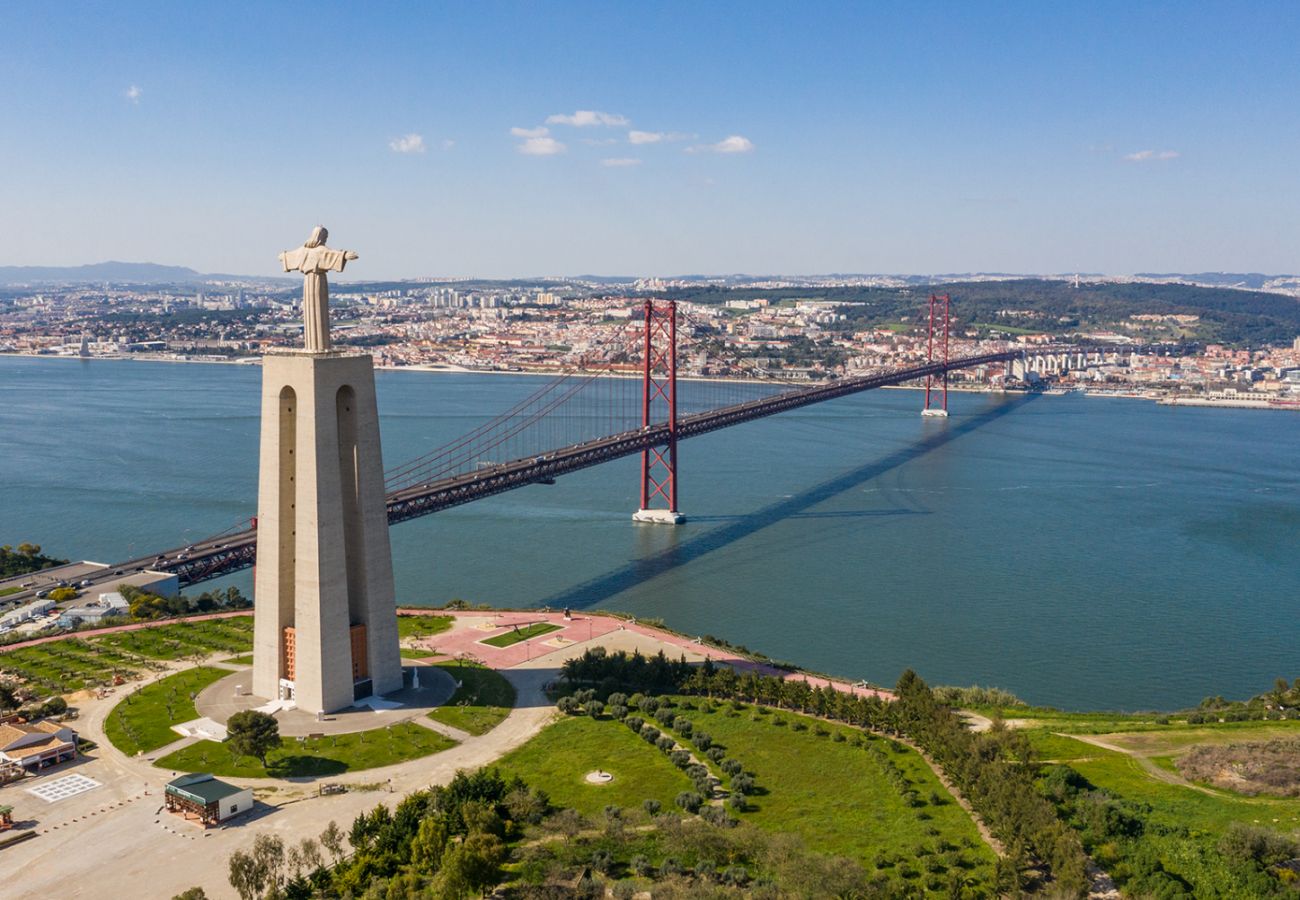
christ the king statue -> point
(313, 259)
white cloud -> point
(448, 143)
(539, 131)
(620, 162)
(133, 93)
(584, 118)
(408, 143)
(1152, 155)
(601, 142)
(655, 137)
(540, 146)
(733, 144)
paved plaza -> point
(220, 700)
(63, 788)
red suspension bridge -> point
(620, 400)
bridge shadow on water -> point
(797, 506)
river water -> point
(1081, 552)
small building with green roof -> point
(208, 799)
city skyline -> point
(509, 140)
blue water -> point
(1080, 552)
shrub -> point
(716, 754)
(702, 740)
(594, 708)
(681, 758)
(640, 865)
(689, 801)
(682, 726)
(616, 711)
(617, 699)
(732, 767)
(647, 704)
(569, 706)
(634, 722)
(651, 807)
(742, 784)
(665, 743)
(737, 802)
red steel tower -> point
(942, 409)
(659, 387)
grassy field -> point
(834, 793)
(61, 667)
(558, 759)
(521, 634)
(484, 698)
(182, 639)
(414, 653)
(77, 663)
(1183, 822)
(314, 758)
(245, 660)
(422, 626)
(143, 720)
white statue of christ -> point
(313, 259)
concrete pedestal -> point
(658, 517)
(325, 621)
(935, 413)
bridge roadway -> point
(223, 555)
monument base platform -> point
(935, 413)
(658, 517)
(223, 698)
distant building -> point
(36, 745)
(206, 798)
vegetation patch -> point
(184, 639)
(521, 634)
(313, 757)
(422, 626)
(559, 758)
(143, 720)
(1271, 768)
(483, 699)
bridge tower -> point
(659, 389)
(936, 400)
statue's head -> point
(318, 236)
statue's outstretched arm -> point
(350, 254)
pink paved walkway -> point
(585, 627)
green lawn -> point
(181, 639)
(245, 660)
(558, 759)
(483, 699)
(422, 626)
(834, 793)
(521, 634)
(314, 758)
(72, 664)
(143, 720)
(415, 653)
(1059, 748)
(5, 592)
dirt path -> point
(1145, 763)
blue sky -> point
(798, 138)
